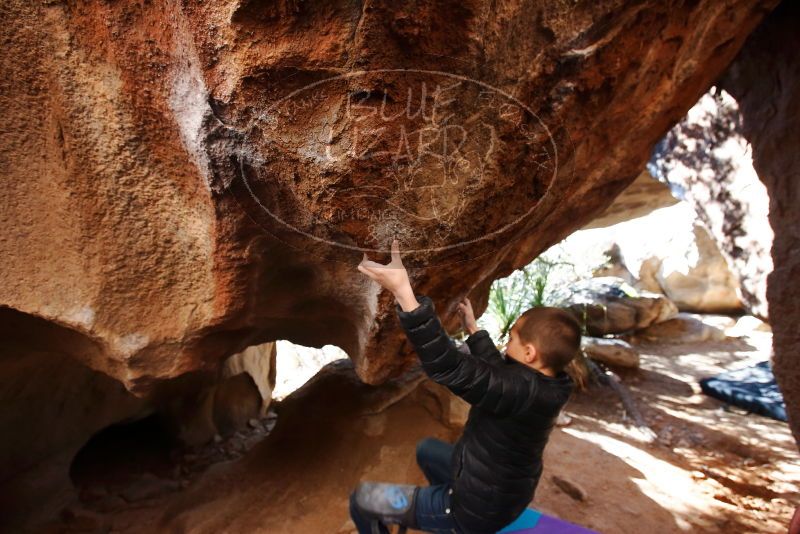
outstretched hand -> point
(467, 315)
(392, 276)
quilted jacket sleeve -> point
(481, 345)
(504, 391)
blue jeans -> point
(433, 512)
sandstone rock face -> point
(699, 282)
(442, 405)
(641, 197)
(236, 401)
(321, 449)
(259, 362)
(689, 270)
(708, 161)
(615, 266)
(223, 404)
(153, 247)
(183, 180)
(765, 81)
(51, 405)
(607, 305)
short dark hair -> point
(554, 332)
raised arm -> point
(493, 387)
(482, 346)
(479, 342)
(504, 391)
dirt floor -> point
(711, 469)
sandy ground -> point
(712, 469)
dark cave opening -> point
(122, 452)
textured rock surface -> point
(708, 162)
(765, 81)
(153, 250)
(688, 269)
(641, 197)
(243, 390)
(698, 281)
(615, 266)
(129, 129)
(611, 351)
(298, 479)
(684, 328)
(258, 361)
(51, 405)
(607, 305)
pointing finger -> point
(396, 251)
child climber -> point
(488, 478)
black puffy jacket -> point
(497, 461)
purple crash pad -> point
(534, 522)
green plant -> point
(505, 303)
(525, 288)
(539, 273)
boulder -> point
(709, 162)
(684, 328)
(648, 275)
(263, 160)
(236, 400)
(687, 267)
(260, 363)
(615, 352)
(698, 281)
(765, 82)
(241, 391)
(607, 305)
(450, 409)
(748, 326)
(198, 178)
(615, 266)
